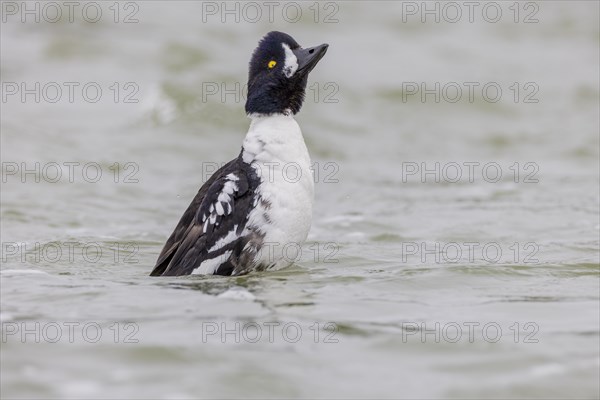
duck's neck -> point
(274, 138)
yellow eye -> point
(272, 64)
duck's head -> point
(278, 74)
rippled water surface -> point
(415, 282)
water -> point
(400, 291)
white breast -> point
(274, 146)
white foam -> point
(237, 293)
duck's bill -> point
(308, 58)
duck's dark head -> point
(278, 74)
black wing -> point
(221, 204)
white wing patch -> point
(224, 203)
(291, 61)
(230, 237)
(208, 267)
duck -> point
(253, 207)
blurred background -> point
(454, 251)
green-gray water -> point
(415, 282)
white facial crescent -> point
(291, 62)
